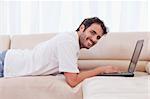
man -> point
(57, 55)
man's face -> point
(90, 36)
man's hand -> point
(73, 78)
(110, 69)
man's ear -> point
(82, 27)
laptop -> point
(133, 62)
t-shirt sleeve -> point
(67, 56)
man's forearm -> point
(83, 75)
(73, 78)
(89, 73)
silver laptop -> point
(133, 62)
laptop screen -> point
(135, 56)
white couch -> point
(114, 49)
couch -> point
(113, 49)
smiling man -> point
(57, 55)
(89, 32)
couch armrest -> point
(4, 42)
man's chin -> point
(88, 47)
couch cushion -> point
(4, 42)
(38, 87)
(147, 68)
(117, 87)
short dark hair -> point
(89, 21)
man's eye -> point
(98, 37)
(92, 33)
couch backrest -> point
(111, 46)
(112, 49)
(116, 49)
(28, 40)
(4, 42)
(118, 46)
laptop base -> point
(125, 74)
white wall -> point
(39, 16)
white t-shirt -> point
(59, 54)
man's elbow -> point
(71, 79)
(72, 83)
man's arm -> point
(73, 78)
